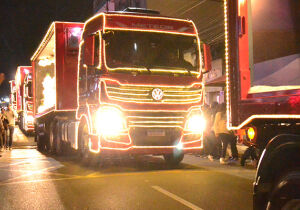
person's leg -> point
(11, 134)
(234, 151)
(245, 156)
(1, 141)
(5, 138)
(224, 141)
(253, 153)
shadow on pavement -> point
(120, 164)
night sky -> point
(23, 23)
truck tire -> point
(40, 143)
(83, 149)
(87, 158)
(60, 145)
(286, 194)
(173, 159)
(52, 138)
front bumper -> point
(98, 143)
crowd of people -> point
(216, 136)
(7, 126)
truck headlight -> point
(195, 123)
(109, 121)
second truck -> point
(123, 82)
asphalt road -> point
(31, 180)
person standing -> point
(10, 116)
(226, 136)
(2, 130)
(5, 131)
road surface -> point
(31, 180)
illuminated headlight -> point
(109, 121)
(30, 119)
(195, 124)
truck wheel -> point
(83, 139)
(40, 143)
(286, 194)
(173, 159)
(52, 139)
(59, 143)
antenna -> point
(107, 5)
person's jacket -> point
(220, 125)
(10, 116)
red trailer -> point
(263, 92)
(24, 103)
(136, 88)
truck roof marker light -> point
(134, 16)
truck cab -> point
(27, 122)
(140, 85)
(24, 99)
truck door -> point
(89, 65)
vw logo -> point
(157, 94)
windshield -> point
(151, 50)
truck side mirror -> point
(207, 58)
(88, 58)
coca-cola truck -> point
(262, 41)
(12, 96)
(24, 98)
(123, 82)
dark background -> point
(23, 23)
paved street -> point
(31, 180)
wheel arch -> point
(280, 155)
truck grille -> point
(143, 94)
(156, 119)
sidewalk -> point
(246, 172)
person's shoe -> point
(210, 157)
(233, 160)
(222, 161)
(10, 148)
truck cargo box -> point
(55, 69)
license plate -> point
(156, 132)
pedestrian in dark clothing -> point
(10, 116)
(225, 136)
(2, 145)
(5, 131)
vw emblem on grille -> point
(157, 94)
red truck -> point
(123, 82)
(12, 96)
(262, 41)
(24, 98)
